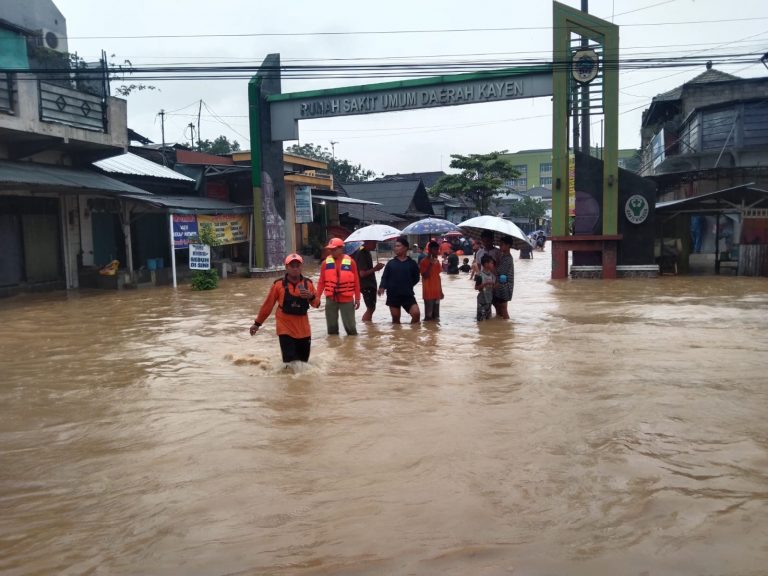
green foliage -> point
(119, 72)
(206, 234)
(220, 145)
(343, 171)
(480, 178)
(205, 279)
(529, 208)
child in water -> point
(484, 281)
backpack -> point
(294, 305)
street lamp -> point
(325, 219)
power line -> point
(399, 69)
(625, 50)
(395, 32)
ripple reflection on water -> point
(609, 428)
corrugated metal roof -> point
(190, 204)
(28, 174)
(137, 166)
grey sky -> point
(420, 140)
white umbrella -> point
(474, 227)
(375, 232)
(430, 226)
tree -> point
(206, 279)
(529, 208)
(221, 145)
(480, 178)
(343, 171)
(119, 73)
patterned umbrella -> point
(351, 247)
(474, 227)
(431, 226)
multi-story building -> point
(55, 120)
(535, 167)
(709, 133)
(705, 145)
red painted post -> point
(609, 259)
(559, 260)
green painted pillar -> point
(257, 234)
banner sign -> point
(230, 228)
(303, 204)
(184, 227)
(571, 184)
(199, 257)
(287, 109)
(657, 148)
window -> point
(521, 182)
(546, 181)
(545, 169)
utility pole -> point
(333, 151)
(199, 107)
(162, 132)
(192, 134)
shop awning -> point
(343, 199)
(733, 199)
(189, 204)
(32, 176)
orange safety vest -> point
(339, 281)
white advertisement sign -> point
(303, 204)
(199, 257)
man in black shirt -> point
(400, 275)
(367, 271)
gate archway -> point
(274, 117)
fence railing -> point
(73, 107)
(6, 92)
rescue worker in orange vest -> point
(293, 295)
(340, 283)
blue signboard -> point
(184, 228)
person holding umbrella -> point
(400, 275)
(367, 271)
(505, 278)
(340, 283)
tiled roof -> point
(706, 77)
(394, 196)
(429, 178)
(369, 213)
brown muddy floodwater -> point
(611, 428)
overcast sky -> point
(448, 30)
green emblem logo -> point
(636, 209)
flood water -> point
(613, 428)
